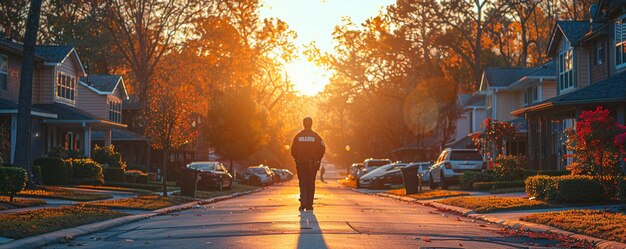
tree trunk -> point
(23, 147)
(166, 154)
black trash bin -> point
(411, 179)
(188, 179)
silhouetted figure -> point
(307, 150)
(322, 171)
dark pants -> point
(306, 178)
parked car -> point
(424, 169)
(452, 163)
(277, 175)
(286, 175)
(257, 175)
(369, 165)
(385, 176)
(212, 175)
(355, 169)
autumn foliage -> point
(491, 141)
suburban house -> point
(69, 105)
(472, 114)
(590, 68)
(508, 89)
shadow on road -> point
(310, 232)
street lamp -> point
(347, 147)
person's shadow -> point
(310, 231)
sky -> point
(314, 21)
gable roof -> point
(52, 55)
(504, 76)
(573, 31)
(10, 107)
(474, 100)
(104, 84)
(67, 114)
(612, 89)
(119, 135)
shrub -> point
(579, 189)
(113, 174)
(12, 180)
(107, 156)
(132, 176)
(509, 167)
(86, 170)
(137, 167)
(469, 178)
(37, 176)
(565, 188)
(53, 169)
(539, 187)
(143, 179)
(497, 185)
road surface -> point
(269, 219)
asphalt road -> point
(269, 219)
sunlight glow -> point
(314, 21)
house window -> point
(599, 53)
(4, 72)
(620, 42)
(531, 95)
(566, 70)
(115, 111)
(66, 87)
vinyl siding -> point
(601, 71)
(548, 89)
(46, 89)
(506, 102)
(582, 66)
(89, 101)
(15, 64)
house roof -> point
(573, 31)
(119, 135)
(103, 83)
(612, 89)
(474, 100)
(10, 107)
(54, 54)
(505, 76)
(462, 143)
(69, 114)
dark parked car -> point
(354, 170)
(383, 177)
(277, 178)
(212, 175)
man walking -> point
(322, 171)
(307, 150)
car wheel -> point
(444, 185)
(431, 182)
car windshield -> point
(466, 156)
(201, 166)
(377, 163)
(258, 170)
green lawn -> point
(494, 204)
(63, 194)
(428, 194)
(595, 223)
(34, 222)
(19, 203)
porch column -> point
(87, 140)
(13, 137)
(107, 137)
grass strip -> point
(494, 204)
(19, 202)
(63, 194)
(35, 222)
(594, 223)
(428, 194)
(114, 188)
(146, 202)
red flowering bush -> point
(598, 146)
(491, 141)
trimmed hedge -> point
(37, 176)
(12, 180)
(113, 174)
(497, 185)
(572, 189)
(132, 176)
(53, 169)
(86, 171)
(468, 179)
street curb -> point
(70, 233)
(518, 225)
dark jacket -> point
(307, 146)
